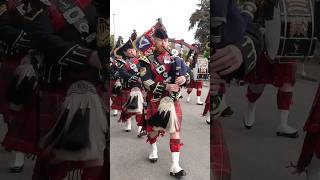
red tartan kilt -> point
(219, 155)
(311, 144)
(195, 84)
(153, 108)
(206, 109)
(276, 74)
(44, 170)
(313, 123)
(119, 100)
(7, 69)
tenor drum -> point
(201, 70)
(291, 32)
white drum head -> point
(273, 33)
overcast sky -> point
(142, 14)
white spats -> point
(18, 159)
(154, 152)
(249, 117)
(128, 125)
(199, 100)
(188, 98)
(115, 112)
(139, 130)
(283, 126)
(208, 118)
(175, 167)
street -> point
(129, 154)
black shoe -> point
(200, 103)
(16, 169)
(227, 112)
(128, 130)
(179, 174)
(288, 135)
(153, 160)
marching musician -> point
(280, 75)
(115, 82)
(132, 90)
(73, 119)
(18, 79)
(239, 41)
(162, 76)
(194, 84)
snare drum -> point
(201, 70)
(291, 32)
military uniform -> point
(115, 82)
(194, 84)
(74, 38)
(132, 90)
(163, 109)
(280, 75)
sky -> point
(142, 15)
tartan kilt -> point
(275, 74)
(195, 84)
(119, 100)
(152, 109)
(311, 145)
(219, 155)
(206, 109)
(45, 170)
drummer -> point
(269, 70)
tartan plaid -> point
(219, 155)
(311, 144)
(119, 100)
(275, 74)
(206, 106)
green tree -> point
(200, 19)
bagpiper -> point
(194, 84)
(163, 76)
(132, 89)
(74, 37)
(115, 82)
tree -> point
(200, 19)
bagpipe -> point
(144, 44)
(222, 12)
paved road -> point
(257, 154)
(129, 154)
